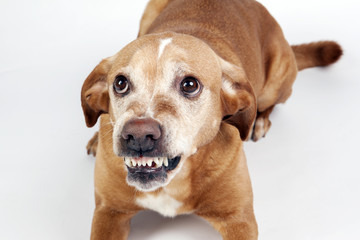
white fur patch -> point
(227, 87)
(162, 203)
(163, 44)
(260, 128)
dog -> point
(175, 106)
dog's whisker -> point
(107, 133)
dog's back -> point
(230, 28)
(245, 34)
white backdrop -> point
(305, 173)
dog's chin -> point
(150, 173)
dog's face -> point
(166, 96)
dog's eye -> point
(190, 86)
(121, 84)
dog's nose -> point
(141, 134)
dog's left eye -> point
(190, 86)
(121, 84)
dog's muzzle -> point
(147, 162)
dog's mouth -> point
(147, 164)
(149, 173)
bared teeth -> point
(149, 162)
(160, 161)
(127, 161)
(143, 162)
(157, 162)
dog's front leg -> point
(110, 224)
(235, 227)
(91, 147)
(239, 231)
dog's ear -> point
(238, 99)
(94, 93)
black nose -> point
(140, 135)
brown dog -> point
(175, 105)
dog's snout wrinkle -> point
(141, 134)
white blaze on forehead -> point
(163, 44)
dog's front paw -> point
(91, 147)
(261, 127)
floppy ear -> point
(94, 93)
(238, 99)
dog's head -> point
(166, 95)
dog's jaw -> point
(148, 174)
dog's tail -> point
(316, 54)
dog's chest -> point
(162, 203)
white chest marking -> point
(161, 203)
(163, 44)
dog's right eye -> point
(121, 85)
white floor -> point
(305, 173)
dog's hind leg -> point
(282, 73)
(262, 124)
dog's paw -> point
(92, 145)
(261, 127)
